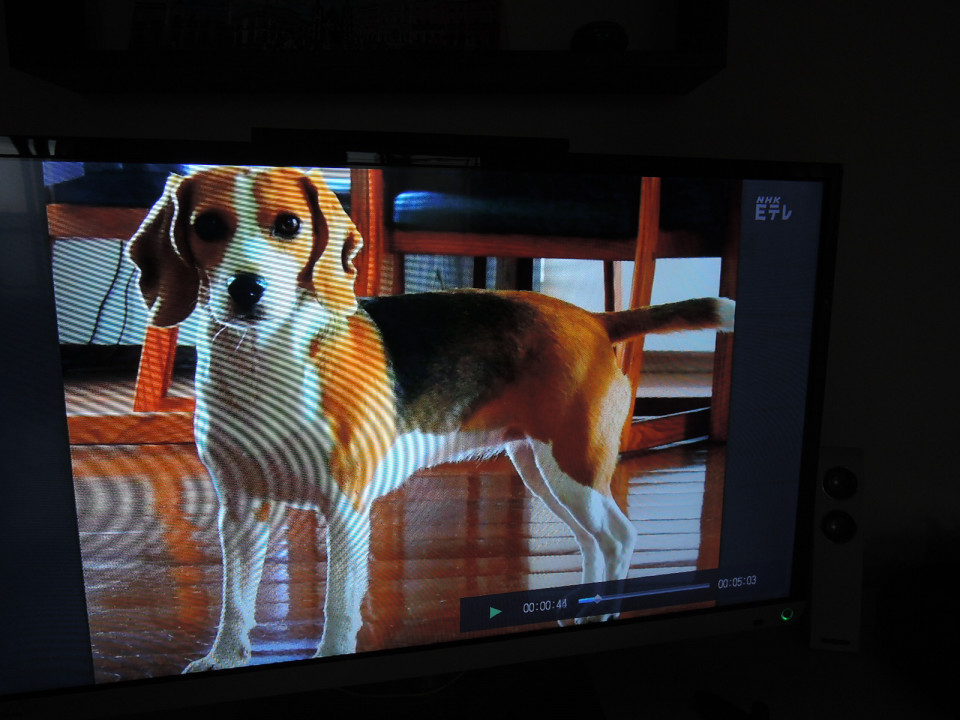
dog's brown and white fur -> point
(307, 397)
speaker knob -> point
(840, 483)
(838, 527)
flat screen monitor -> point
(291, 416)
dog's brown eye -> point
(211, 227)
(286, 226)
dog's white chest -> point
(263, 416)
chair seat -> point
(493, 215)
(596, 207)
(498, 203)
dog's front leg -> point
(348, 559)
(243, 541)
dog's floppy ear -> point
(168, 281)
(332, 273)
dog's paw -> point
(201, 665)
(328, 648)
(587, 619)
(596, 618)
(215, 662)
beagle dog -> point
(307, 397)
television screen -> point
(274, 416)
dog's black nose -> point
(246, 289)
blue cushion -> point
(525, 204)
(117, 185)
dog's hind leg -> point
(522, 456)
(605, 536)
(243, 541)
(593, 509)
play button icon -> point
(494, 612)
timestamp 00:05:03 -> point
(726, 583)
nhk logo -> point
(771, 208)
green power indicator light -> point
(787, 614)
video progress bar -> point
(644, 593)
(488, 612)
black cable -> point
(106, 297)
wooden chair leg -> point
(640, 436)
(156, 372)
(366, 193)
(723, 353)
(644, 262)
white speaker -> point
(837, 573)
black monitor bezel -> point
(309, 148)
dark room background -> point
(869, 85)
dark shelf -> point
(53, 42)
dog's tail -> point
(699, 314)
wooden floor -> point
(147, 518)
